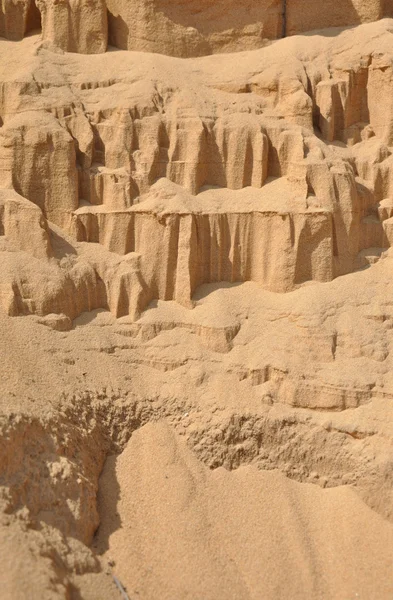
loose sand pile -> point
(178, 530)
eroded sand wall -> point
(183, 29)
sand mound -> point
(174, 529)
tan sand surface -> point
(196, 299)
(178, 530)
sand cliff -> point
(196, 220)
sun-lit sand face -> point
(195, 300)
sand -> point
(179, 530)
(196, 349)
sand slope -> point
(178, 530)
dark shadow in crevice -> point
(108, 497)
(118, 32)
(33, 19)
(61, 247)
